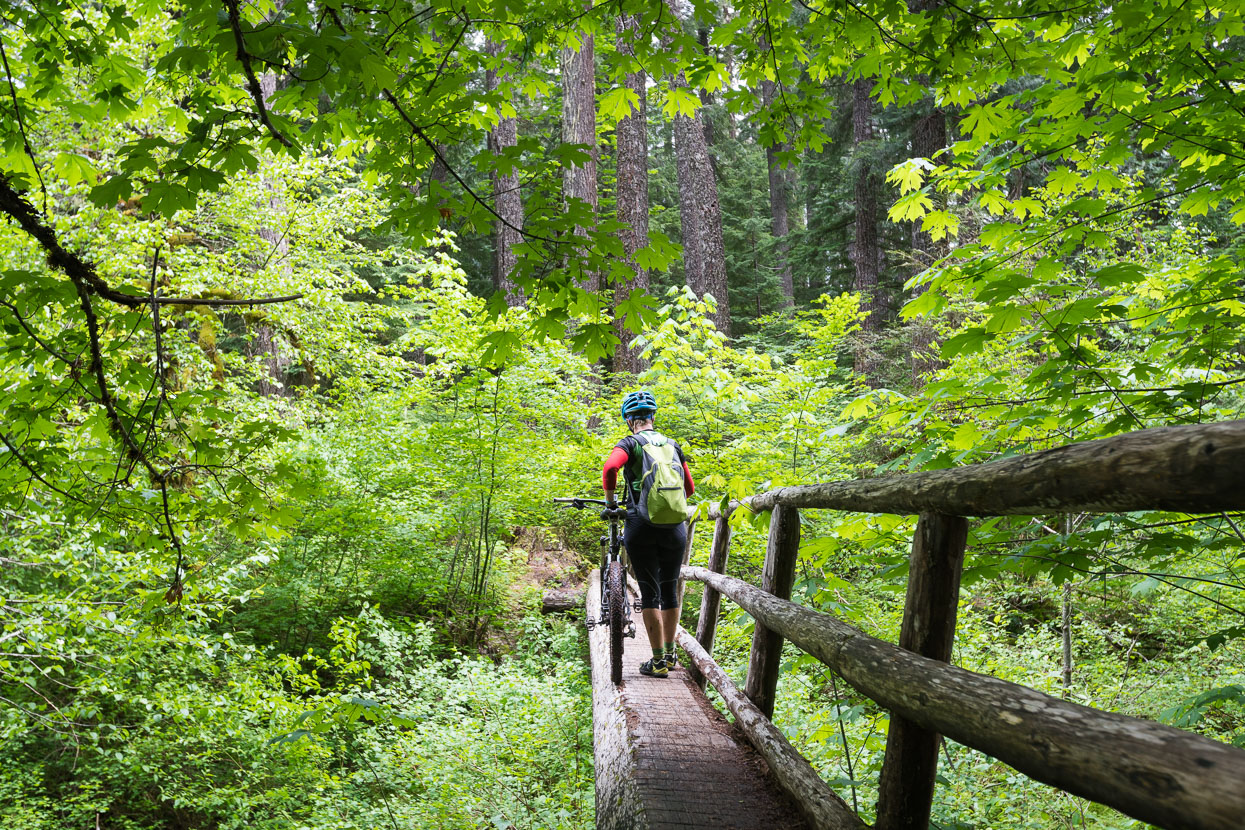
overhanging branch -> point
(423, 136)
(83, 272)
(252, 82)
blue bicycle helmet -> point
(639, 404)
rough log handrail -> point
(1155, 773)
(1152, 772)
(1189, 469)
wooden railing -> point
(1155, 773)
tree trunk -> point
(507, 200)
(690, 229)
(700, 212)
(929, 136)
(704, 253)
(631, 195)
(1066, 619)
(779, 210)
(579, 126)
(706, 100)
(865, 246)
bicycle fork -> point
(604, 620)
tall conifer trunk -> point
(700, 212)
(704, 249)
(507, 200)
(631, 193)
(579, 126)
(779, 208)
(929, 136)
(865, 247)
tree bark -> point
(906, 785)
(1184, 469)
(631, 195)
(579, 126)
(690, 229)
(704, 250)
(779, 209)
(865, 246)
(777, 578)
(507, 199)
(929, 136)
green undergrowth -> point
(234, 737)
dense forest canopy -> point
(308, 309)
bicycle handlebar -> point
(610, 512)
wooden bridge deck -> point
(665, 758)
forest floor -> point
(549, 575)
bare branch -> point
(21, 125)
(419, 132)
(81, 271)
(252, 82)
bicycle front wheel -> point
(617, 596)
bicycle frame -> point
(611, 551)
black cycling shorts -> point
(656, 556)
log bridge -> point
(666, 759)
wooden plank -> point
(777, 578)
(819, 804)
(906, 787)
(1154, 773)
(1189, 469)
(711, 600)
(619, 805)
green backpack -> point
(658, 493)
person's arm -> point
(609, 475)
(689, 486)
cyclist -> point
(656, 552)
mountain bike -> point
(615, 610)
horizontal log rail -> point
(1159, 774)
(1154, 773)
(1188, 469)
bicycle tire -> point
(617, 599)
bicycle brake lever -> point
(578, 504)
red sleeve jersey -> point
(618, 459)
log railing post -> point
(906, 788)
(711, 600)
(777, 578)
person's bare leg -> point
(653, 624)
(669, 625)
